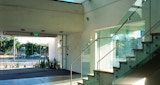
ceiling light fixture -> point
(22, 29)
(60, 31)
(42, 30)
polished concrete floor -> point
(55, 80)
(37, 76)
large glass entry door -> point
(22, 53)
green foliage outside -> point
(7, 46)
(47, 64)
(30, 48)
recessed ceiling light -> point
(22, 29)
(42, 30)
(60, 31)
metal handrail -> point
(126, 20)
(71, 76)
(96, 40)
(157, 23)
(116, 33)
(120, 29)
(152, 28)
(71, 69)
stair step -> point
(147, 42)
(128, 58)
(86, 78)
(101, 71)
(116, 67)
(155, 33)
(90, 80)
(123, 62)
(137, 49)
(90, 76)
(80, 83)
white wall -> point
(105, 13)
(151, 16)
(101, 13)
(155, 14)
(74, 43)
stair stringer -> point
(99, 78)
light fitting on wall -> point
(87, 18)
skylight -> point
(73, 1)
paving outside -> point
(10, 63)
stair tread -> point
(85, 78)
(155, 33)
(138, 49)
(147, 42)
(90, 74)
(124, 62)
(80, 83)
(130, 57)
(103, 71)
(116, 67)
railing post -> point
(81, 69)
(71, 74)
(97, 66)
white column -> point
(52, 49)
(64, 52)
(14, 45)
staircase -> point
(99, 78)
(134, 65)
(142, 57)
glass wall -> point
(88, 58)
(111, 49)
(115, 44)
(105, 45)
(22, 52)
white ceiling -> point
(52, 17)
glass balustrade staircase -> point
(142, 64)
(136, 64)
